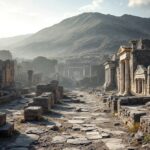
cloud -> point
(91, 7)
(133, 3)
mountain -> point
(10, 41)
(83, 34)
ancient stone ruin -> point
(127, 73)
(47, 96)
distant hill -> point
(85, 33)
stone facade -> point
(131, 70)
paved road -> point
(77, 123)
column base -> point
(120, 94)
(126, 94)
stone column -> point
(30, 77)
(143, 87)
(136, 85)
(106, 80)
(122, 75)
(148, 81)
(118, 79)
(127, 78)
(140, 86)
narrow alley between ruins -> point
(79, 122)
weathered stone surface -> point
(139, 136)
(59, 140)
(76, 127)
(131, 148)
(81, 117)
(79, 141)
(44, 101)
(88, 125)
(24, 140)
(114, 143)
(34, 130)
(88, 129)
(76, 121)
(105, 135)
(33, 113)
(71, 148)
(7, 130)
(93, 135)
(2, 119)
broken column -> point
(30, 77)
(33, 113)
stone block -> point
(2, 119)
(33, 113)
(43, 101)
(50, 96)
(6, 130)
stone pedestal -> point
(33, 113)
(2, 119)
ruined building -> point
(129, 71)
(6, 74)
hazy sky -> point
(28, 16)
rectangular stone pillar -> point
(148, 81)
(138, 81)
(122, 77)
(143, 87)
(127, 78)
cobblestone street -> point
(79, 122)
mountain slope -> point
(85, 33)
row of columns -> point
(124, 77)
